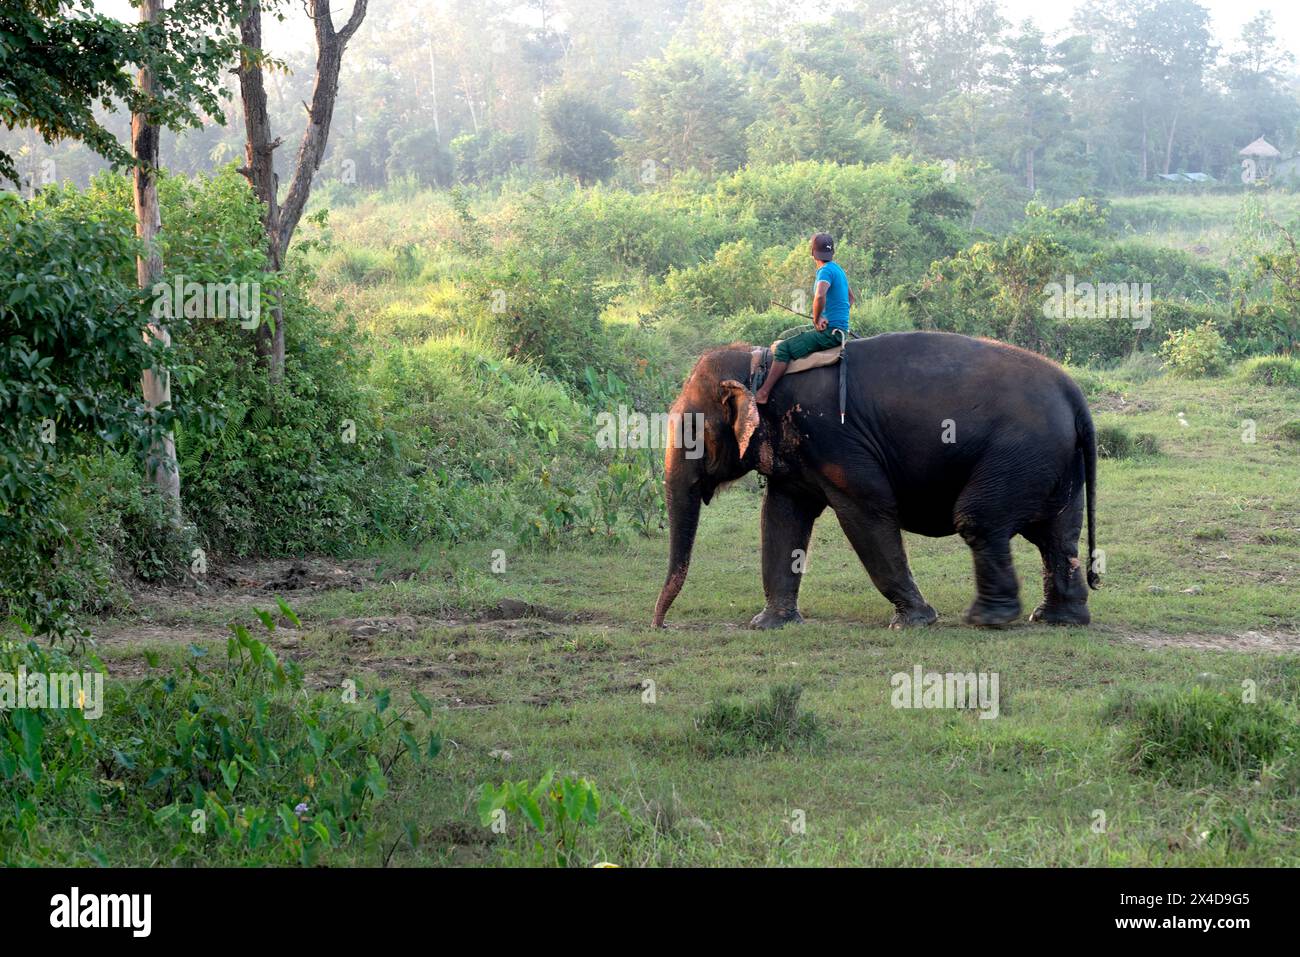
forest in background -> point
(460, 92)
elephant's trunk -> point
(682, 496)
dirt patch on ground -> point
(1276, 642)
(343, 649)
(510, 609)
(257, 585)
(149, 633)
(1114, 402)
(238, 585)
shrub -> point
(1290, 430)
(476, 428)
(619, 230)
(71, 357)
(876, 314)
(995, 289)
(541, 301)
(303, 465)
(479, 157)
(754, 326)
(1172, 273)
(228, 764)
(898, 216)
(560, 811)
(733, 281)
(1195, 353)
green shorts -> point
(806, 343)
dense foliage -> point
(70, 368)
(63, 64)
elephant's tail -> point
(1087, 437)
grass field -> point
(545, 667)
(1220, 228)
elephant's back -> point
(947, 399)
(932, 363)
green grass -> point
(1190, 734)
(773, 723)
(1210, 226)
(1115, 442)
(1201, 547)
(1278, 371)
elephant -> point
(943, 434)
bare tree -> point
(281, 220)
(160, 465)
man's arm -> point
(819, 303)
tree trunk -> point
(259, 168)
(433, 92)
(1029, 155)
(160, 463)
(1169, 141)
(469, 98)
(1144, 145)
(279, 220)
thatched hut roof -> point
(1261, 148)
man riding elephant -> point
(943, 435)
(832, 298)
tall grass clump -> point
(774, 723)
(1115, 442)
(1201, 734)
(1272, 370)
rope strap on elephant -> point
(844, 373)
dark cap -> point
(823, 247)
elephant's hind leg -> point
(787, 525)
(997, 593)
(986, 514)
(1065, 580)
(878, 540)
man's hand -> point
(820, 323)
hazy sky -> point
(1227, 17)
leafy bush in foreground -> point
(220, 764)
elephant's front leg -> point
(788, 518)
(878, 540)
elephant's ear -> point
(740, 410)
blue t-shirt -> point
(836, 310)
